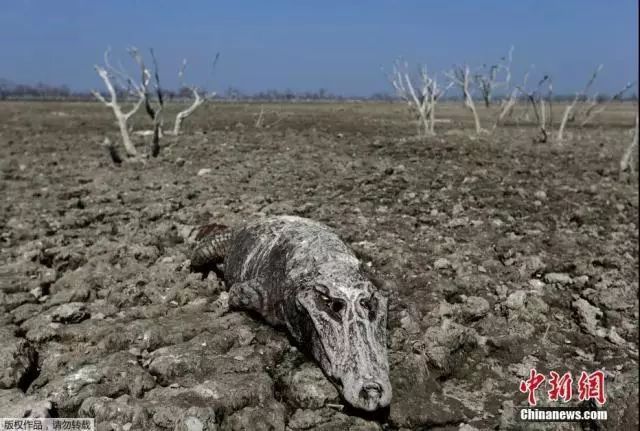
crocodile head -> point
(346, 332)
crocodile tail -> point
(212, 243)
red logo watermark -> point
(560, 386)
(590, 386)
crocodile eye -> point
(335, 305)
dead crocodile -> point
(298, 275)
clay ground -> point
(501, 254)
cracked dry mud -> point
(502, 255)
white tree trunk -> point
(187, 112)
(460, 76)
(432, 115)
(124, 132)
(476, 119)
(563, 123)
(506, 109)
(626, 163)
(568, 109)
(121, 117)
(422, 104)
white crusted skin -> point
(299, 275)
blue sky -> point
(305, 45)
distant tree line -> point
(633, 97)
(288, 95)
(40, 91)
(9, 90)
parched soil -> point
(502, 255)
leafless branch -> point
(459, 75)
(421, 102)
(596, 108)
(197, 98)
(259, 121)
(571, 106)
(155, 113)
(121, 77)
(197, 101)
(157, 117)
(626, 162)
(512, 100)
(115, 78)
(538, 104)
(507, 107)
(487, 82)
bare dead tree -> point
(260, 120)
(595, 108)
(116, 79)
(550, 100)
(626, 162)
(198, 99)
(488, 82)
(587, 107)
(572, 105)
(182, 115)
(539, 105)
(507, 107)
(510, 102)
(421, 102)
(459, 75)
(155, 113)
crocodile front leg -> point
(247, 295)
(211, 247)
